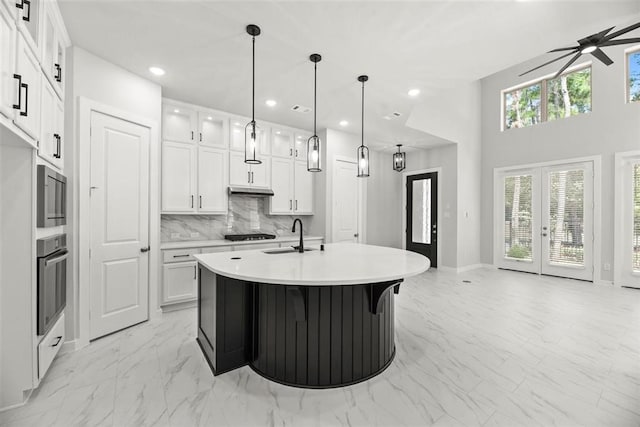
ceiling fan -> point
(592, 45)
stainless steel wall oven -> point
(52, 198)
(52, 280)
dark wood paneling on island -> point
(304, 336)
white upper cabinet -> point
(303, 190)
(281, 142)
(179, 124)
(300, 146)
(246, 175)
(213, 130)
(8, 84)
(212, 180)
(51, 126)
(27, 115)
(178, 177)
(237, 136)
(282, 184)
(53, 50)
(28, 19)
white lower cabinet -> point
(179, 282)
(50, 346)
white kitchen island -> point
(316, 319)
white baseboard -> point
(464, 269)
(179, 306)
(69, 346)
(469, 268)
(603, 282)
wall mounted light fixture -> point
(399, 160)
(363, 151)
(251, 128)
(313, 144)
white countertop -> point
(208, 243)
(338, 264)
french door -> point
(422, 215)
(544, 220)
(627, 227)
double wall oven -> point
(52, 197)
(52, 280)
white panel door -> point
(282, 185)
(212, 180)
(28, 68)
(119, 224)
(345, 202)
(213, 130)
(627, 237)
(8, 84)
(303, 203)
(239, 173)
(179, 124)
(178, 177)
(179, 282)
(567, 221)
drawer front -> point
(179, 255)
(216, 249)
(252, 246)
(49, 346)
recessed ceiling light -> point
(176, 111)
(343, 123)
(209, 118)
(156, 71)
(413, 92)
(277, 132)
(236, 124)
(386, 117)
(270, 102)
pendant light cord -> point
(362, 144)
(315, 78)
(253, 84)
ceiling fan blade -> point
(567, 65)
(620, 41)
(598, 53)
(593, 38)
(563, 49)
(622, 31)
(550, 62)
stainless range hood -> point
(250, 191)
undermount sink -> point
(287, 250)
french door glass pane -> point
(636, 217)
(517, 217)
(566, 217)
(421, 215)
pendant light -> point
(313, 144)
(399, 160)
(250, 128)
(363, 151)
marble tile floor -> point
(506, 349)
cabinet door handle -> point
(192, 200)
(248, 177)
(252, 177)
(58, 339)
(25, 113)
(200, 136)
(296, 204)
(20, 5)
(192, 135)
(18, 77)
(57, 138)
(200, 202)
(58, 72)
(290, 204)
(147, 249)
(291, 151)
(181, 256)
(28, 16)
(296, 153)
(195, 272)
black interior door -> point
(422, 215)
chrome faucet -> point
(300, 248)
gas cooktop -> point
(253, 236)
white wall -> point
(384, 197)
(100, 81)
(611, 127)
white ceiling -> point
(430, 45)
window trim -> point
(543, 92)
(627, 87)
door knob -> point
(147, 249)
(355, 235)
(544, 234)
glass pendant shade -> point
(313, 143)
(313, 154)
(399, 160)
(250, 130)
(363, 161)
(251, 143)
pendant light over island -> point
(399, 160)
(313, 144)
(363, 150)
(250, 128)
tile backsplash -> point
(246, 214)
